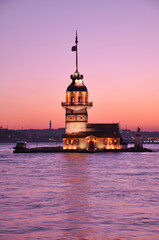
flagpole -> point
(76, 41)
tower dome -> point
(77, 83)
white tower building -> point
(76, 103)
(138, 140)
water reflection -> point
(83, 212)
(76, 223)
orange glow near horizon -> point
(35, 111)
(34, 106)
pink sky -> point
(118, 56)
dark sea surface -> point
(79, 196)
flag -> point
(74, 48)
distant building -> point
(50, 124)
(78, 133)
(138, 140)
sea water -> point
(79, 196)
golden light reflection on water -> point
(76, 197)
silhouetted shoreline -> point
(54, 135)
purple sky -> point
(118, 56)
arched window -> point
(72, 99)
(77, 141)
(79, 99)
(105, 141)
(66, 141)
(71, 141)
(110, 142)
(115, 141)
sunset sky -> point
(118, 56)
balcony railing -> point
(89, 104)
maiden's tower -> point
(78, 133)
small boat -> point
(20, 145)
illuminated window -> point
(110, 142)
(79, 99)
(72, 99)
(105, 141)
(77, 141)
(115, 141)
(71, 141)
(66, 141)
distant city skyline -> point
(118, 56)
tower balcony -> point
(77, 106)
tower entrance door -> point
(91, 145)
(91, 142)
